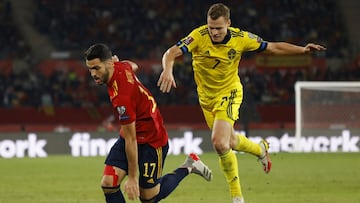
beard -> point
(102, 79)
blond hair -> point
(218, 10)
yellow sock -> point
(229, 165)
(246, 145)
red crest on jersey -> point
(253, 36)
(188, 40)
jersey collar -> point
(226, 38)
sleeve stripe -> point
(183, 48)
(262, 47)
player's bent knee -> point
(110, 178)
(149, 193)
(221, 148)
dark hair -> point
(98, 50)
(218, 10)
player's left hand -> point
(131, 188)
(314, 47)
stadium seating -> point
(141, 31)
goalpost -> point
(326, 108)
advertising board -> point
(18, 145)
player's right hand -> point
(166, 81)
(313, 47)
(131, 188)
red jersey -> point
(134, 102)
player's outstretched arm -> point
(314, 47)
(284, 48)
(166, 80)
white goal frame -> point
(314, 84)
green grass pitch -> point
(307, 177)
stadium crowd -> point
(141, 30)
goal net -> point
(326, 109)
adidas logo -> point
(150, 181)
(206, 172)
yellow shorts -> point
(223, 107)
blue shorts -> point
(151, 161)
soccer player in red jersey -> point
(141, 149)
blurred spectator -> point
(144, 29)
(154, 25)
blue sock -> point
(115, 197)
(169, 182)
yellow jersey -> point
(216, 65)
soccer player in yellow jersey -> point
(216, 52)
